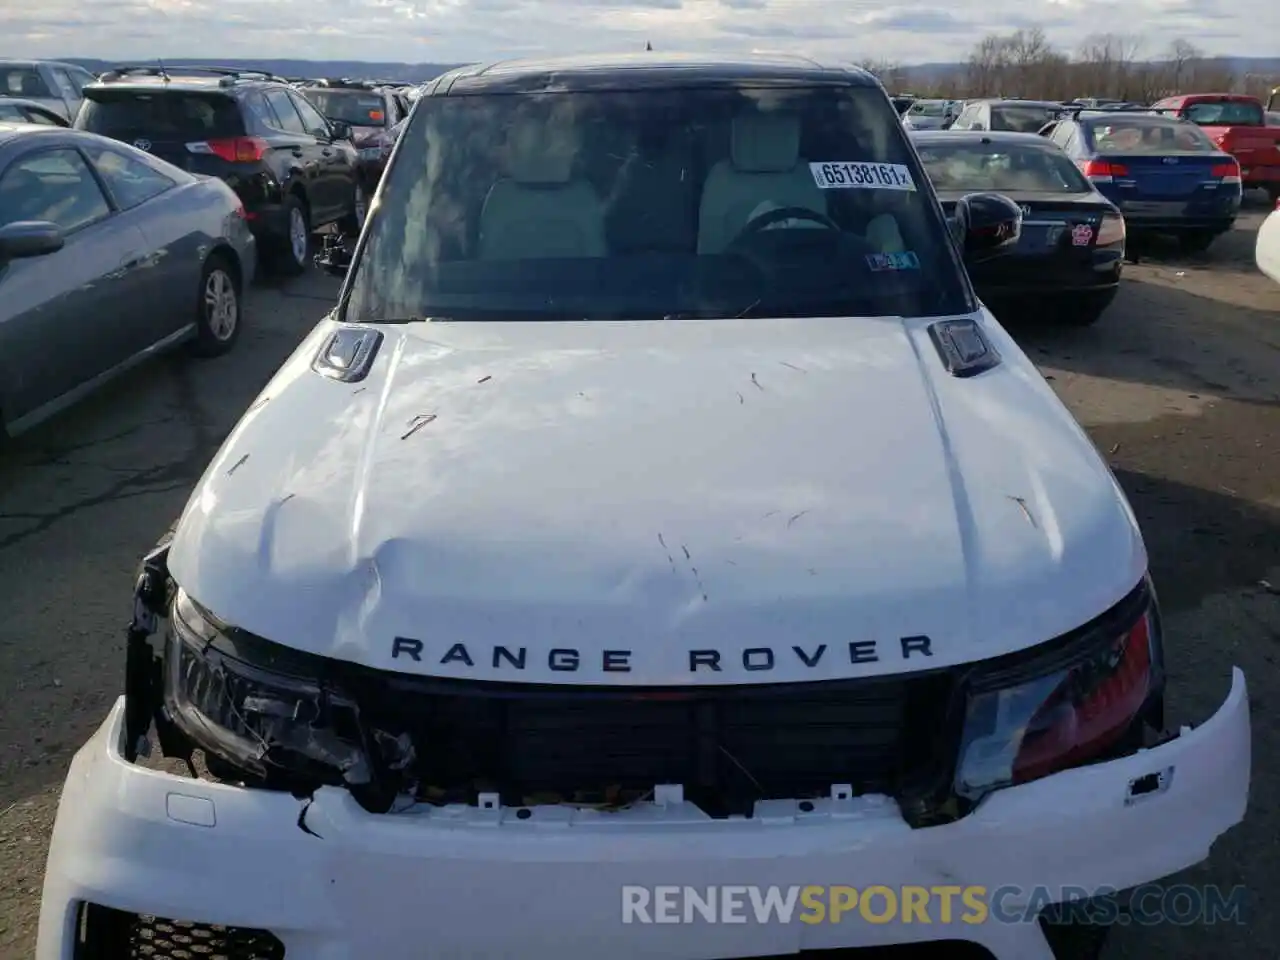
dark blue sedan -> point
(1164, 174)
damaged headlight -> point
(264, 709)
(1026, 723)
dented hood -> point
(666, 502)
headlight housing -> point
(265, 709)
(1071, 707)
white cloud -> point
(465, 30)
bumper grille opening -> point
(728, 747)
(107, 934)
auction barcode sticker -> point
(860, 175)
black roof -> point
(981, 136)
(1127, 116)
(180, 76)
(1018, 102)
(644, 70)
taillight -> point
(232, 149)
(1111, 230)
(1034, 726)
(1103, 171)
(1228, 172)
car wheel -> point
(1195, 241)
(1084, 311)
(296, 242)
(353, 224)
(1071, 941)
(218, 308)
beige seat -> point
(764, 166)
(539, 209)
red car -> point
(1237, 124)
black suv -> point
(293, 169)
(371, 110)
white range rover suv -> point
(658, 521)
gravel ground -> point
(1179, 385)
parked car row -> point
(146, 197)
(1237, 124)
(1090, 183)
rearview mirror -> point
(29, 238)
(341, 129)
(988, 225)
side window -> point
(1050, 130)
(130, 181)
(316, 125)
(52, 185)
(66, 88)
(284, 111)
(23, 82)
(962, 121)
(260, 114)
(80, 78)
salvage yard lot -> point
(1179, 385)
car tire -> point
(353, 223)
(1196, 241)
(1086, 310)
(294, 247)
(1072, 941)
(219, 307)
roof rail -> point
(167, 71)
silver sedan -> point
(107, 256)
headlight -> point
(1025, 724)
(265, 709)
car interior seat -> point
(540, 209)
(764, 166)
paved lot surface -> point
(1179, 385)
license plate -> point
(1154, 207)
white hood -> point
(806, 499)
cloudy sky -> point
(911, 31)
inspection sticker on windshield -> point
(905, 260)
(859, 175)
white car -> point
(1267, 248)
(658, 529)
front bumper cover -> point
(334, 882)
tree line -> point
(1025, 64)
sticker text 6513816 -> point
(860, 175)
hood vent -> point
(963, 347)
(348, 354)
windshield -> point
(656, 203)
(1226, 113)
(1148, 137)
(1013, 168)
(928, 108)
(1022, 118)
(356, 107)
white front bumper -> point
(470, 883)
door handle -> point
(132, 261)
(297, 151)
(327, 152)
